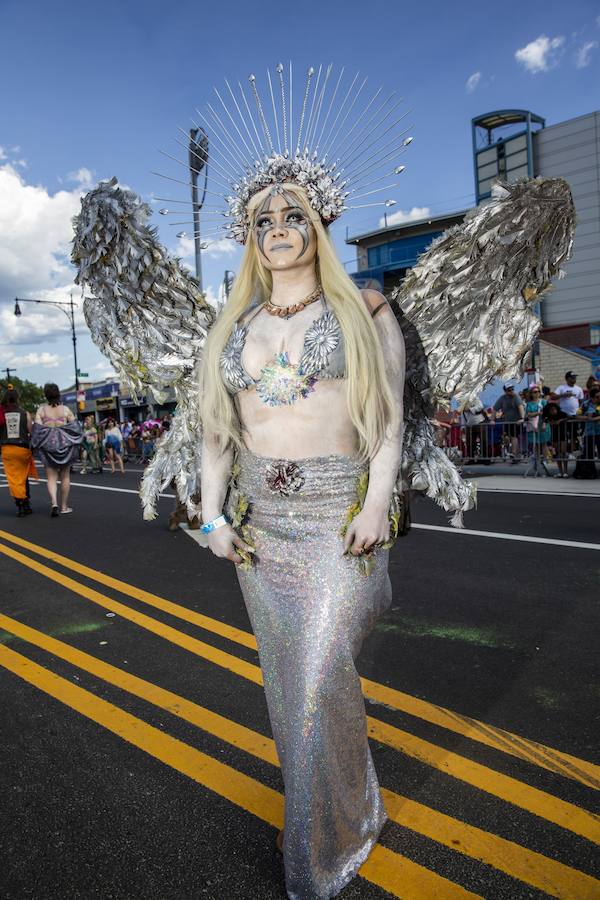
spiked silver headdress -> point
(338, 154)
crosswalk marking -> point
(538, 802)
(531, 751)
(533, 868)
(391, 871)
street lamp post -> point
(69, 311)
(198, 160)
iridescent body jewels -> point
(281, 383)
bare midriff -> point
(317, 425)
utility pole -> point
(8, 371)
(69, 312)
(198, 160)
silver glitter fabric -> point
(311, 608)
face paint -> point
(295, 219)
(263, 227)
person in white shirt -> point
(570, 398)
(570, 395)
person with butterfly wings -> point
(305, 410)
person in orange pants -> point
(17, 458)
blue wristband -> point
(212, 525)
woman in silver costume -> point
(299, 415)
(301, 387)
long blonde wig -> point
(369, 396)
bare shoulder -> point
(375, 301)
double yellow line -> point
(399, 876)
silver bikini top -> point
(323, 356)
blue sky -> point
(93, 90)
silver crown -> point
(339, 151)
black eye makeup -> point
(295, 218)
(295, 215)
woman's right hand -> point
(223, 542)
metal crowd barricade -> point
(496, 442)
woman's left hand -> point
(369, 528)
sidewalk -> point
(500, 477)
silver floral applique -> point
(231, 364)
(322, 337)
(284, 477)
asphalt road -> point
(120, 641)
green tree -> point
(31, 394)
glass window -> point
(521, 172)
(515, 144)
(402, 253)
(516, 160)
(488, 171)
(486, 156)
(378, 256)
(485, 186)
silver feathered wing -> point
(468, 314)
(150, 319)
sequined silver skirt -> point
(311, 608)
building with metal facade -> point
(510, 144)
(571, 150)
(385, 255)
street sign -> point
(83, 374)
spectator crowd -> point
(538, 423)
(59, 440)
(113, 443)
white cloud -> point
(184, 248)
(542, 54)
(399, 218)
(45, 360)
(216, 247)
(101, 370)
(35, 231)
(82, 177)
(222, 247)
(39, 324)
(6, 154)
(472, 82)
(584, 53)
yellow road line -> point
(548, 875)
(396, 874)
(207, 651)
(560, 812)
(556, 761)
